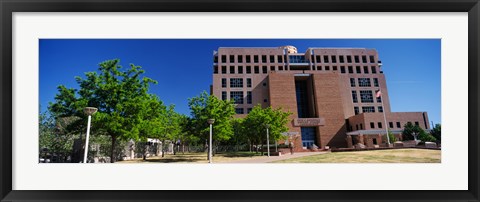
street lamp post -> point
(210, 121)
(89, 111)
(268, 140)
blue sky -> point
(183, 67)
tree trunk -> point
(112, 153)
(163, 148)
(145, 152)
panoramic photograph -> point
(239, 101)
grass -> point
(196, 158)
(375, 156)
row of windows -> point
(237, 96)
(242, 111)
(379, 125)
(366, 96)
(367, 109)
(342, 59)
(238, 83)
(364, 82)
(248, 59)
(294, 59)
(264, 69)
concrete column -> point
(361, 139)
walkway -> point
(266, 159)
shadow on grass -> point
(239, 154)
(170, 160)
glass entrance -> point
(308, 136)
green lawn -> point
(376, 156)
(195, 158)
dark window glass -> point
(319, 68)
(236, 82)
(272, 59)
(379, 99)
(215, 69)
(280, 68)
(416, 123)
(342, 60)
(352, 82)
(354, 96)
(357, 59)
(232, 58)
(237, 97)
(372, 59)
(318, 59)
(350, 69)
(279, 59)
(398, 125)
(342, 69)
(334, 68)
(356, 110)
(240, 70)
(239, 110)
(334, 59)
(224, 82)
(272, 68)
(247, 59)
(224, 69)
(327, 68)
(224, 95)
(224, 58)
(249, 97)
(380, 109)
(240, 58)
(375, 82)
(256, 69)
(349, 58)
(390, 124)
(358, 70)
(374, 70)
(365, 69)
(215, 59)
(232, 69)
(255, 58)
(368, 109)
(364, 59)
(249, 82)
(249, 69)
(379, 125)
(372, 125)
(264, 69)
(364, 82)
(325, 59)
(366, 96)
(264, 58)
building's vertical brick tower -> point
(328, 90)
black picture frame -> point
(7, 7)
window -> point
(249, 97)
(398, 125)
(215, 69)
(416, 123)
(256, 69)
(280, 68)
(358, 69)
(247, 59)
(390, 124)
(224, 58)
(349, 58)
(264, 58)
(350, 69)
(236, 83)
(215, 59)
(240, 70)
(352, 82)
(364, 82)
(249, 69)
(380, 109)
(279, 59)
(375, 82)
(232, 69)
(361, 126)
(379, 99)
(224, 82)
(334, 59)
(342, 69)
(356, 110)
(319, 68)
(372, 125)
(365, 69)
(354, 96)
(313, 67)
(342, 60)
(357, 59)
(237, 97)
(374, 70)
(224, 95)
(366, 96)
(249, 82)
(317, 58)
(239, 110)
(334, 68)
(249, 110)
(356, 127)
(368, 109)
(272, 68)
(264, 69)
(298, 59)
(327, 68)
(255, 58)
(325, 59)
(224, 69)
(272, 59)
(372, 59)
(265, 100)
(264, 83)
(364, 59)
(379, 125)
(232, 58)
(374, 140)
(240, 58)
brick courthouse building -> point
(330, 91)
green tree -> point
(426, 137)
(204, 107)
(257, 120)
(409, 130)
(392, 137)
(437, 132)
(118, 95)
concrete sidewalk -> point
(266, 159)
